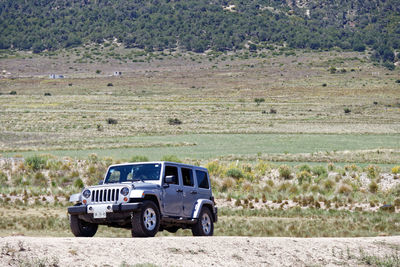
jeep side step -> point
(178, 220)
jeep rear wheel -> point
(80, 228)
(145, 223)
(204, 225)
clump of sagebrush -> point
(285, 172)
(215, 168)
(35, 162)
(228, 183)
(174, 121)
(319, 171)
(112, 121)
(234, 173)
(304, 176)
(373, 171)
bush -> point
(214, 168)
(3, 179)
(304, 176)
(396, 202)
(78, 183)
(259, 100)
(373, 187)
(305, 167)
(272, 111)
(98, 71)
(13, 92)
(39, 179)
(347, 110)
(174, 121)
(396, 170)
(228, 183)
(344, 189)
(234, 173)
(139, 159)
(112, 121)
(35, 162)
(324, 85)
(285, 172)
(47, 94)
(373, 171)
(110, 84)
(319, 171)
(171, 158)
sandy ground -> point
(190, 251)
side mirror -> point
(101, 182)
(169, 179)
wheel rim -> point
(206, 223)
(149, 219)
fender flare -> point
(75, 198)
(199, 205)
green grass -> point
(209, 146)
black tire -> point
(146, 221)
(80, 228)
(205, 224)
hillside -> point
(200, 25)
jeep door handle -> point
(179, 190)
(193, 192)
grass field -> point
(234, 113)
(209, 146)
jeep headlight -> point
(86, 193)
(125, 191)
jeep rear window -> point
(131, 173)
(202, 179)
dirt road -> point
(190, 251)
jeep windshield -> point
(133, 172)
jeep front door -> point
(172, 192)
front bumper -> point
(115, 208)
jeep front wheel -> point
(204, 225)
(145, 223)
(80, 228)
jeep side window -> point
(170, 170)
(202, 179)
(187, 177)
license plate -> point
(99, 211)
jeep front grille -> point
(105, 195)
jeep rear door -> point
(203, 184)
(172, 193)
(190, 193)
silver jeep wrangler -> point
(147, 197)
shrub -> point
(35, 162)
(172, 158)
(319, 171)
(344, 189)
(272, 111)
(3, 179)
(174, 121)
(262, 167)
(304, 176)
(247, 187)
(373, 187)
(110, 84)
(39, 179)
(112, 121)
(285, 172)
(331, 166)
(324, 85)
(305, 167)
(329, 184)
(139, 159)
(259, 100)
(13, 92)
(396, 170)
(98, 71)
(234, 173)
(332, 70)
(47, 94)
(78, 183)
(396, 202)
(347, 110)
(228, 183)
(214, 168)
(373, 171)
